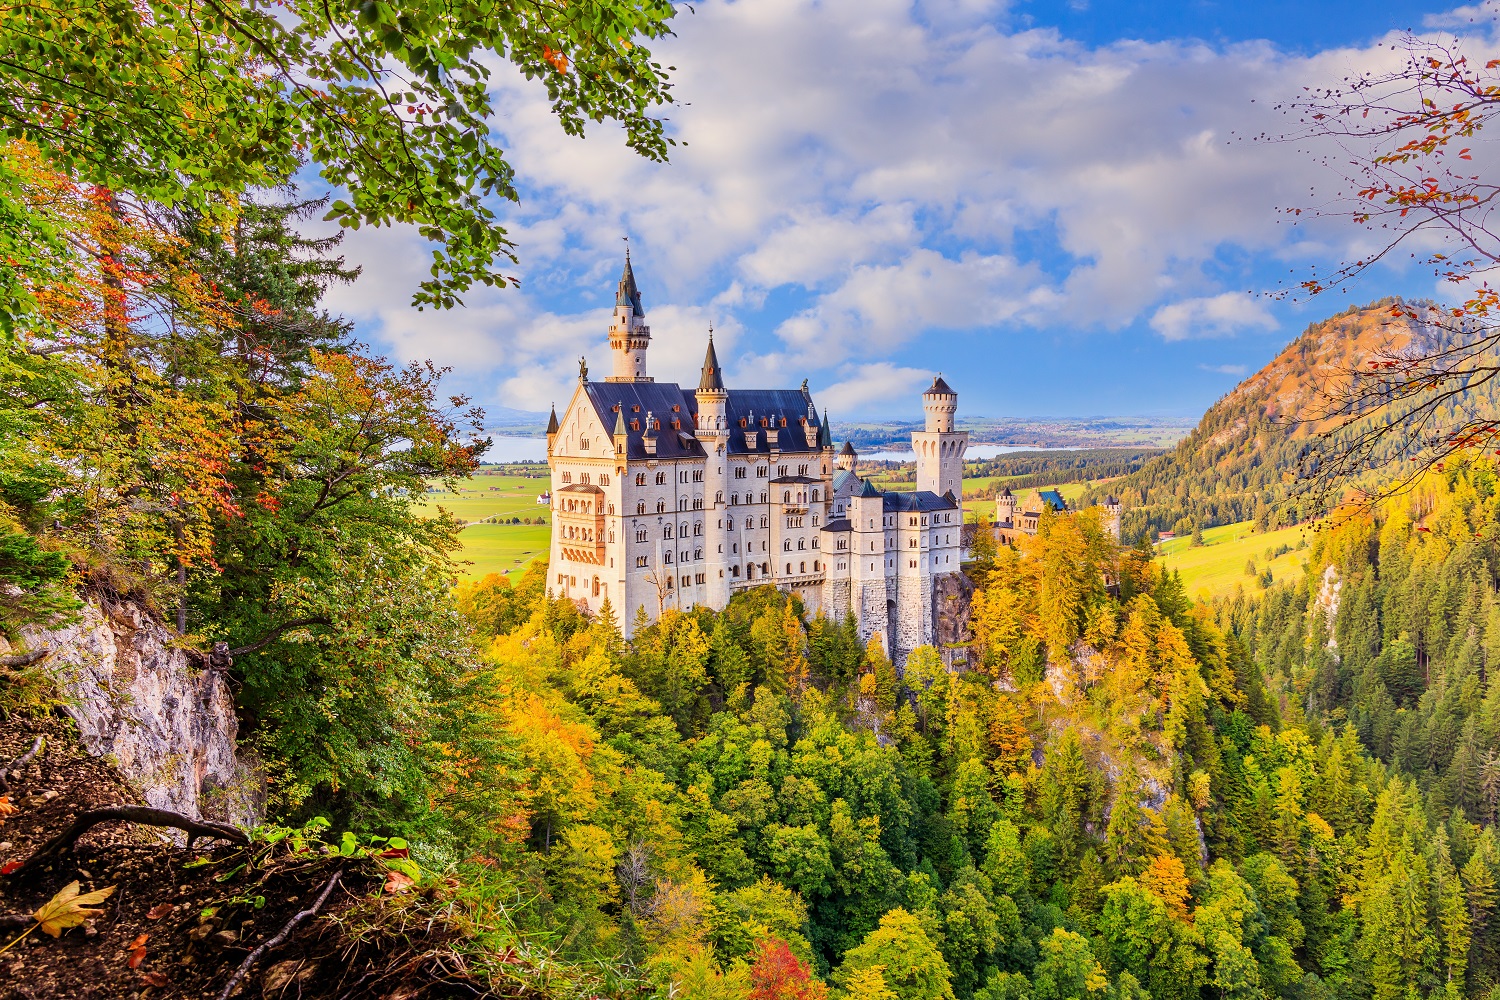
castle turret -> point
(1005, 507)
(847, 457)
(1112, 515)
(940, 449)
(629, 336)
(713, 433)
(552, 427)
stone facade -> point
(669, 497)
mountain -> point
(1241, 462)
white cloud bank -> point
(894, 169)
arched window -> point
(661, 506)
(786, 546)
(640, 507)
(786, 496)
(640, 479)
(802, 567)
(801, 543)
(763, 521)
(661, 478)
(719, 497)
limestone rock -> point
(137, 698)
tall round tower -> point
(713, 433)
(629, 336)
(940, 449)
(1112, 515)
(847, 457)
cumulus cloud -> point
(871, 388)
(859, 174)
(1221, 315)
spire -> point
(713, 377)
(552, 421)
(628, 293)
(619, 421)
(825, 436)
(848, 450)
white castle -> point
(665, 497)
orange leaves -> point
(137, 949)
(558, 60)
(776, 974)
(1166, 879)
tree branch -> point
(129, 814)
(280, 938)
(17, 661)
(277, 632)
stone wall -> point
(952, 596)
(166, 720)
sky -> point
(1060, 206)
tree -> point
(908, 962)
(1403, 139)
(1067, 969)
(776, 974)
(196, 104)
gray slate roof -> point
(921, 500)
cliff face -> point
(165, 721)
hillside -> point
(1240, 463)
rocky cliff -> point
(160, 713)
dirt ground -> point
(180, 922)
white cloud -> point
(870, 388)
(860, 173)
(1221, 315)
(1235, 370)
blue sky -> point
(1054, 204)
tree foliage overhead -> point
(195, 104)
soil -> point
(180, 922)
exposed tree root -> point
(130, 814)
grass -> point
(1217, 567)
(496, 548)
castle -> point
(668, 497)
(1011, 522)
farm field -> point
(496, 548)
(1217, 568)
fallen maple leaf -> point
(9, 867)
(6, 809)
(137, 956)
(397, 882)
(160, 910)
(69, 909)
(157, 979)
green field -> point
(1217, 567)
(496, 548)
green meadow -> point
(496, 548)
(1219, 566)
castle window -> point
(682, 476)
(815, 496)
(635, 425)
(661, 479)
(734, 570)
(640, 534)
(661, 506)
(786, 546)
(611, 536)
(815, 565)
(640, 479)
(567, 477)
(584, 479)
(801, 470)
(698, 528)
(815, 520)
(697, 503)
(697, 475)
(699, 578)
(698, 554)
(763, 521)
(682, 503)
(719, 496)
(682, 530)
(843, 543)
(788, 569)
(640, 507)
(583, 443)
(739, 473)
(676, 408)
(815, 542)
(780, 470)
(666, 557)
(801, 543)
(763, 496)
(760, 472)
(666, 532)
(612, 512)
(786, 496)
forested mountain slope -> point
(1241, 461)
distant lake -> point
(974, 453)
(517, 449)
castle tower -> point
(1005, 507)
(629, 336)
(940, 449)
(847, 457)
(552, 428)
(1112, 516)
(713, 433)
(867, 582)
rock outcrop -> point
(163, 717)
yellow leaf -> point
(69, 909)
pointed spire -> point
(825, 433)
(713, 377)
(619, 421)
(552, 424)
(628, 293)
